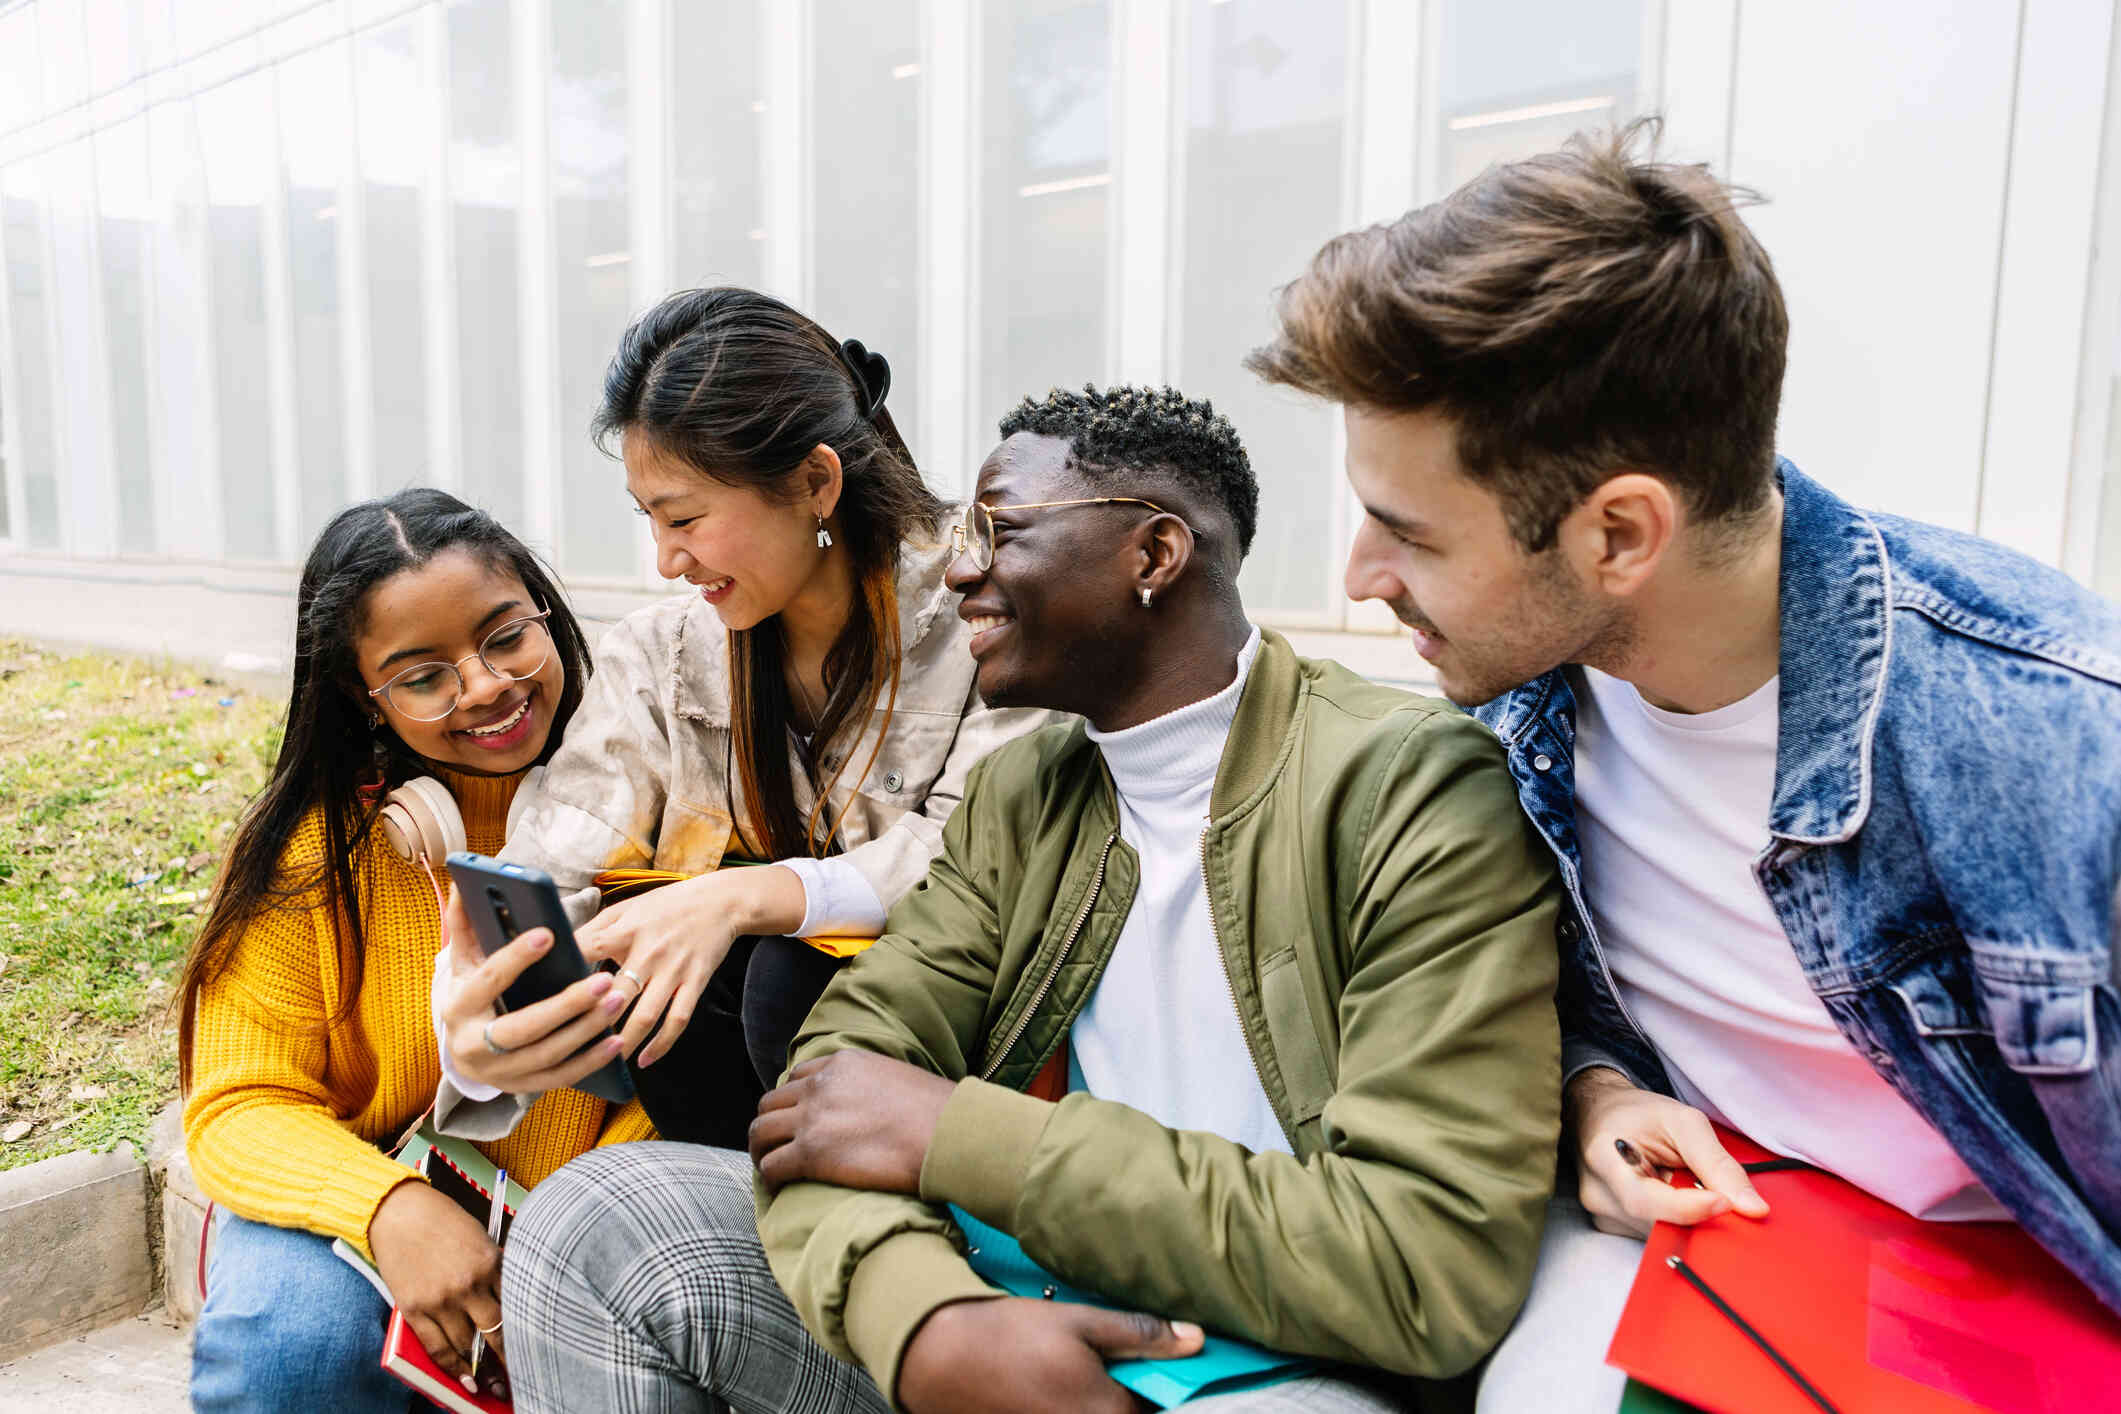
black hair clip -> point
(872, 375)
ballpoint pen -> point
(495, 1211)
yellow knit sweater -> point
(287, 1107)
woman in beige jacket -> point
(808, 703)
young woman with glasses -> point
(807, 704)
(435, 660)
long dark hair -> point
(742, 388)
(328, 750)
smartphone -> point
(505, 900)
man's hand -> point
(853, 1118)
(445, 1275)
(1015, 1356)
(1601, 1107)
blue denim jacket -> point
(1944, 850)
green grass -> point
(120, 780)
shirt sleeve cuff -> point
(838, 902)
(982, 1148)
(438, 992)
(897, 1286)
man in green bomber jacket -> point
(1278, 939)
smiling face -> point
(749, 555)
(1435, 549)
(1055, 617)
(443, 612)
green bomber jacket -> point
(1386, 919)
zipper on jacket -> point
(1082, 916)
(1215, 930)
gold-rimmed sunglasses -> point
(974, 532)
(428, 692)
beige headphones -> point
(421, 823)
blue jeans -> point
(288, 1325)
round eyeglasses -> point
(428, 692)
(974, 532)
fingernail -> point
(542, 940)
(615, 1002)
(614, 1045)
(471, 1386)
(599, 983)
(1186, 1330)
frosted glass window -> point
(22, 214)
(1518, 79)
(486, 190)
(116, 32)
(316, 115)
(236, 136)
(126, 212)
(1265, 140)
(1045, 191)
(598, 535)
(181, 387)
(65, 53)
(86, 514)
(865, 201)
(719, 236)
(21, 76)
(395, 118)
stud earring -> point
(1145, 598)
(824, 536)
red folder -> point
(1878, 1310)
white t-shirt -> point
(1671, 811)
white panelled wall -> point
(260, 257)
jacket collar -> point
(1264, 731)
(700, 674)
(1836, 647)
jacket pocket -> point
(693, 838)
(1305, 1074)
(1939, 998)
(2039, 1009)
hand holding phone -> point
(531, 1016)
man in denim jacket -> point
(1836, 796)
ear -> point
(821, 481)
(1165, 547)
(1621, 533)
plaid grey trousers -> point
(634, 1282)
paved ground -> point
(134, 1367)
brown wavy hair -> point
(742, 388)
(1574, 315)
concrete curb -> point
(88, 1239)
(73, 1241)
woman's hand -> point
(523, 1052)
(668, 943)
(443, 1272)
(1664, 1134)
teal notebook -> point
(1223, 1365)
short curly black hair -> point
(1153, 430)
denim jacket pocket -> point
(1939, 1000)
(2040, 1009)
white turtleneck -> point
(1160, 1034)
